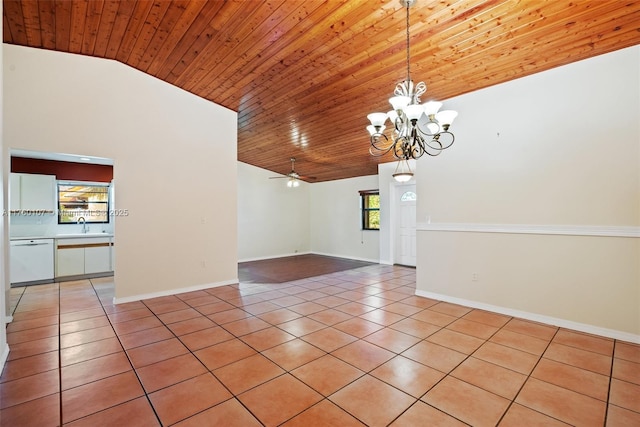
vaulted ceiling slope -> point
(303, 75)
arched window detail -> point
(409, 196)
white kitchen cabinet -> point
(70, 262)
(83, 255)
(14, 191)
(97, 259)
(32, 192)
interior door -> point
(406, 225)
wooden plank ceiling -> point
(303, 75)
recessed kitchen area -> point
(61, 214)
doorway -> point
(405, 225)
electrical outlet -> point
(475, 277)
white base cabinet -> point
(70, 262)
(97, 259)
(79, 256)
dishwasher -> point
(31, 260)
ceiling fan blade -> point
(293, 175)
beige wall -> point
(583, 279)
(174, 161)
(273, 219)
(336, 225)
(540, 195)
(4, 244)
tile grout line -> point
(446, 374)
(353, 316)
(527, 379)
(286, 371)
(196, 357)
(59, 351)
(128, 359)
(613, 361)
(191, 352)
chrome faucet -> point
(84, 224)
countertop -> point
(62, 236)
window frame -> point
(365, 210)
(104, 205)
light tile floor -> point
(343, 349)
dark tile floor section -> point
(296, 267)
(349, 348)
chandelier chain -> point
(408, 50)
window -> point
(83, 200)
(370, 202)
(408, 196)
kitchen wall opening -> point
(60, 226)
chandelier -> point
(410, 138)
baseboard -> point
(3, 357)
(554, 321)
(173, 291)
(83, 276)
(272, 257)
(374, 261)
(31, 283)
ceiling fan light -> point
(377, 119)
(293, 183)
(399, 102)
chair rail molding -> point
(566, 230)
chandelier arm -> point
(449, 137)
(398, 124)
(428, 149)
(378, 150)
(436, 153)
(402, 148)
(418, 147)
(426, 132)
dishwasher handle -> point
(30, 243)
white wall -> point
(273, 219)
(534, 196)
(336, 227)
(4, 241)
(174, 158)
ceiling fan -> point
(293, 177)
